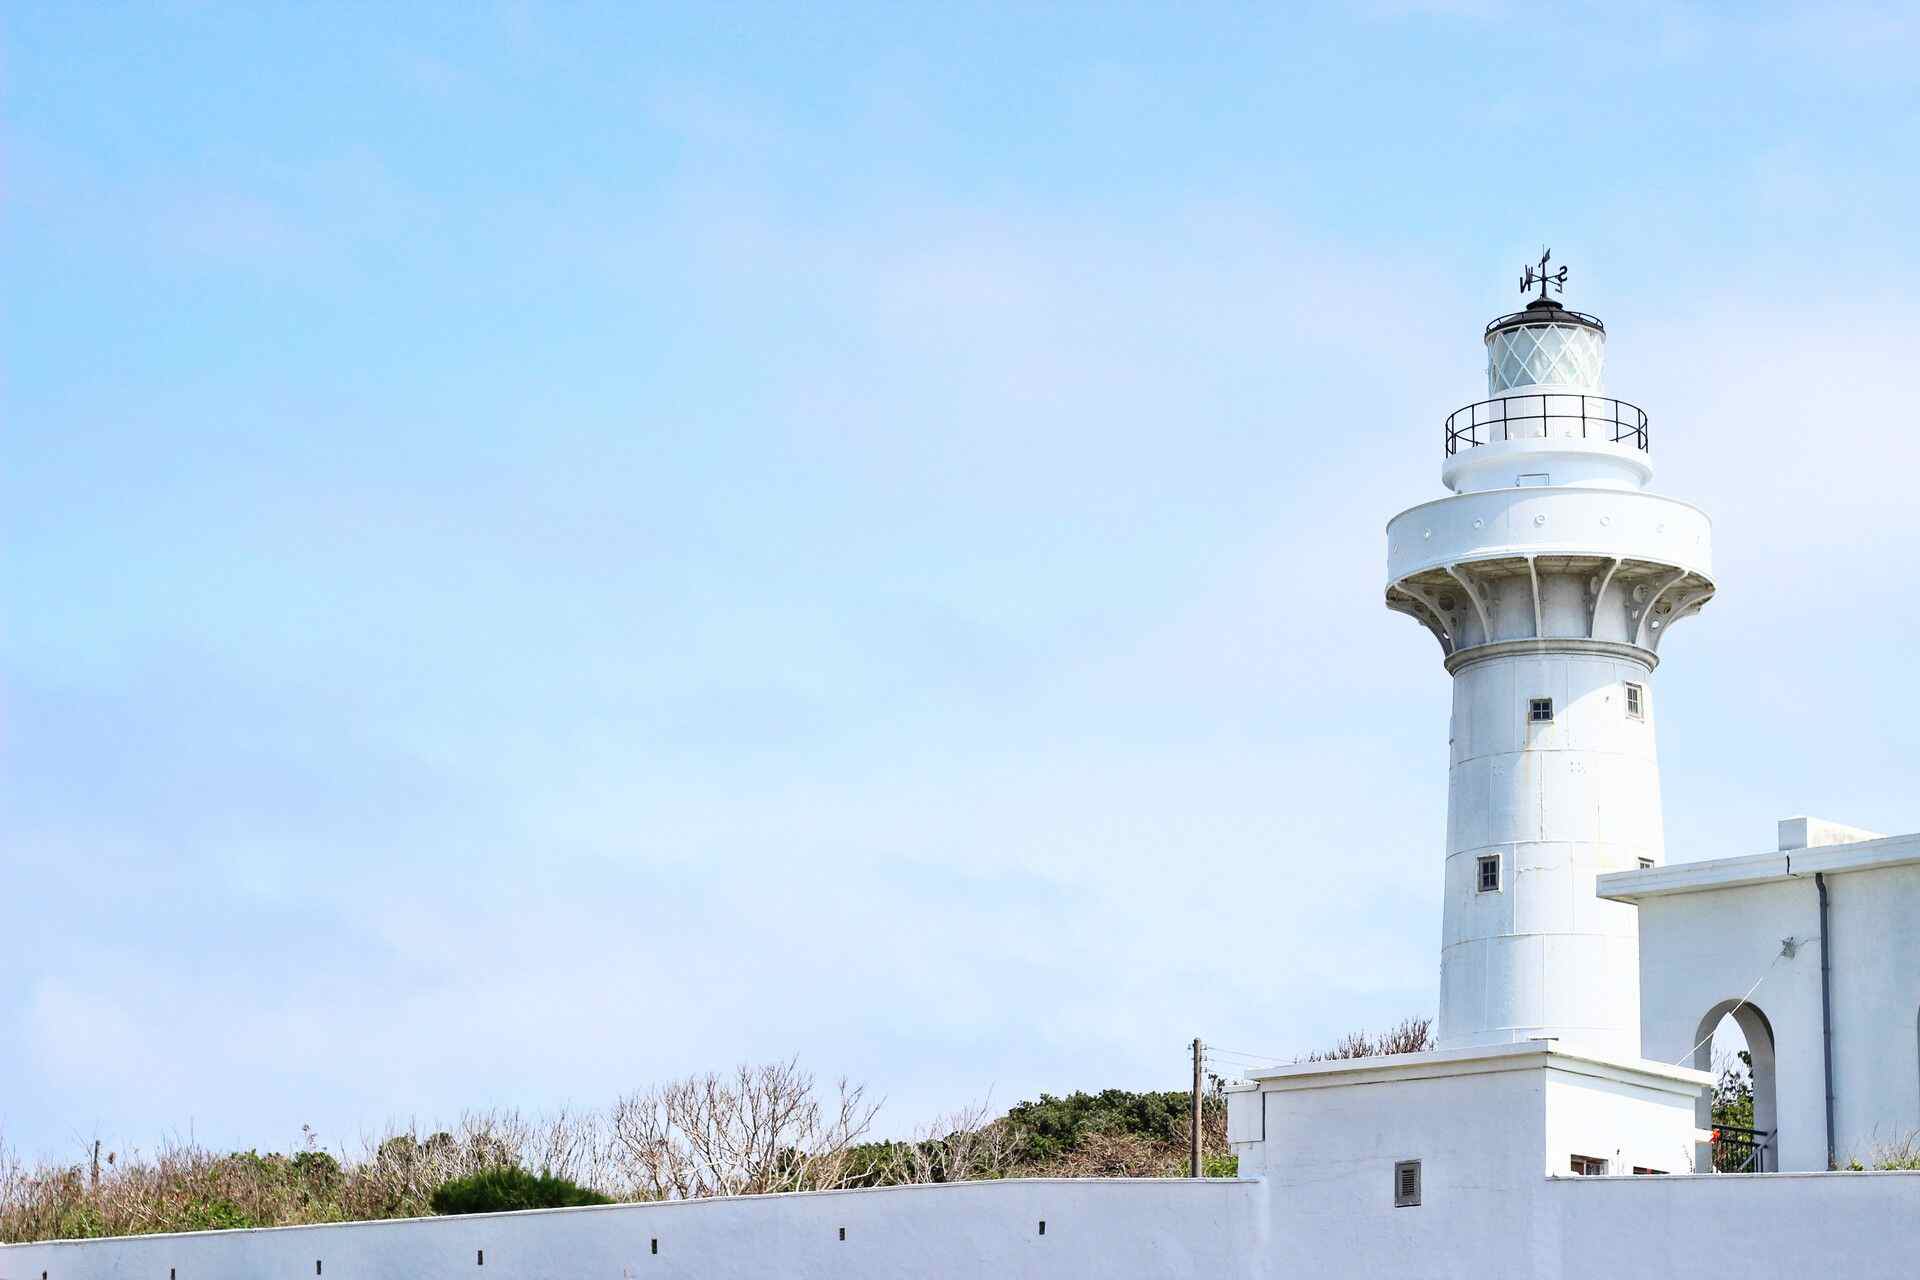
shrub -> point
(212, 1215)
(1053, 1126)
(511, 1187)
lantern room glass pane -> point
(1546, 355)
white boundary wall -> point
(1765, 1226)
(1095, 1227)
(1517, 1227)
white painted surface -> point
(1537, 1103)
(1711, 931)
(1095, 1228)
(1558, 804)
(1551, 521)
(1561, 591)
(1553, 449)
(1488, 1127)
(1814, 833)
(1486, 1214)
(1849, 1226)
(1329, 1160)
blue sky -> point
(548, 548)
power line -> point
(1242, 1053)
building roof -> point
(1520, 1055)
(1760, 868)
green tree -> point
(508, 1187)
(1733, 1094)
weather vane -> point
(1542, 277)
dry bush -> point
(960, 1147)
(765, 1128)
(399, 1169)
(1415, 1035)
(761, 1129)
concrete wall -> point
(1330, 1156)
(1755, 1226)
(1876, 1007)
(1486, 1126)
(1485, 1129)
(1621, 1121)
(1702, 950)
(1332, 1221)
(1149, 1227)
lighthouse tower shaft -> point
(1550, 578)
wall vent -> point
(1406, 1184)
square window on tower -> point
(1540, 710)
(1636, 702)
(1490, 873)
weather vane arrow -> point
(1539, 275)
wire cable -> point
(1738, 1005)
(1242, 1053)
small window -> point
(1533, 478)
(1636, 702)
(1406, 1184)
(1490, 873)
(1642, 1169)
(1646, 864)
(1540, 710)
(1588, 1166)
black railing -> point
(1515, 318)
(1497, 421)
(1737, 1150)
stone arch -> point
(1758, 1030)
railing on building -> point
(1546, 416)
(1737, 1150)
(1513, 319)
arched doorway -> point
(1730, 1028)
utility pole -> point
(1193, 1163)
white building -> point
(1561, 1126)
(1814, 951)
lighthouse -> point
(1550, 575)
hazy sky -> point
(551, 547)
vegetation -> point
(1415, 1035)
(1111, 1134)
(511, 1187)
(1904, 1153)
(1733, 1093)
(761, 1128)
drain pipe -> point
(1826, 1006)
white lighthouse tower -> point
(1549, 576)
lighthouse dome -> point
(1546, 345)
